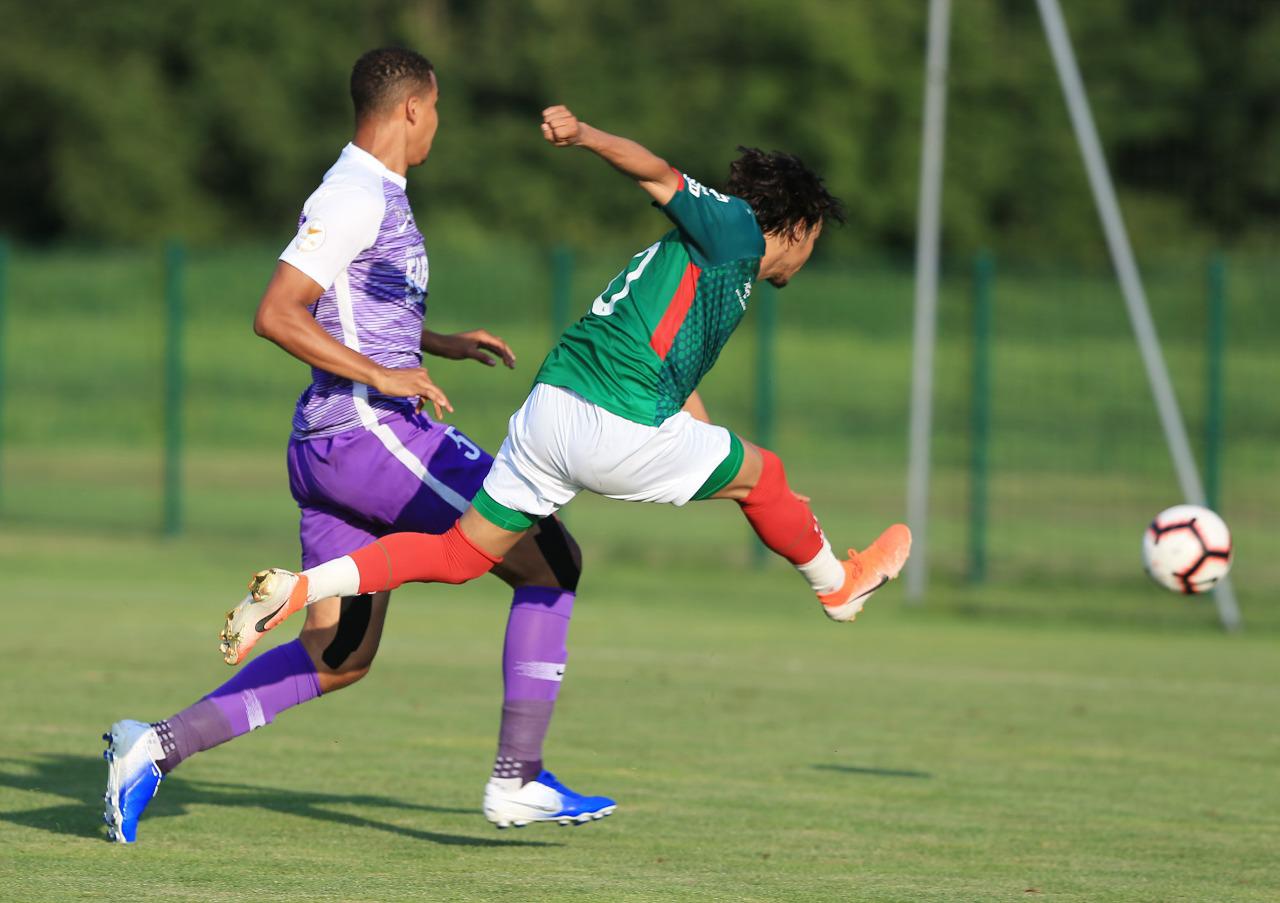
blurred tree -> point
(127, 121)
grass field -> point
(758, 752)
(1062, 731)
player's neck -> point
(773, 251)
(384, 141)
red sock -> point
(420, 558)
(783, 522)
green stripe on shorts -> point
(725, 471)
(501, 515)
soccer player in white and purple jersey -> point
(348, 297)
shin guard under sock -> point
(533, 661)
(399, 558)
(274, 681)
(783, 522)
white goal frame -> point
(1121, 252)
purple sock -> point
(272, 682)
(533, 661)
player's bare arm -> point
(476, 344)
(284, 317)
(655, 175)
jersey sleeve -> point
(720, 227)
(338, 224)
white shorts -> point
(559, 443)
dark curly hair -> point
(379, 78)
(788, 198)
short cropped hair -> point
(787, 197)
(380, 78)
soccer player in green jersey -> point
(606, 412)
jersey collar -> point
(369, 161)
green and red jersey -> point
(658, 327)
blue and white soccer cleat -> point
(508, 805)
(133, 748)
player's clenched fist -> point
(560, 126)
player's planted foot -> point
(133, 749)
(867, 571)
(274, 594)
(508, 804)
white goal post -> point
(929, 229)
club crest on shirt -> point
(310, 236)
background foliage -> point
(213, 120)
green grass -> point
(758, 752)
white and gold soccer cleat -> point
(274, 594)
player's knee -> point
(561, 553)
(770, 482)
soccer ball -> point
(1187, 549)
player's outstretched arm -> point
(563, 129)
(477, 344)
(284, 317)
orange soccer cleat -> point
(867, 571)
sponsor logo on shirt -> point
(310, 236)
(416, 271)
(743, 294)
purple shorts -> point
(408, 473)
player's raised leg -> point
(467, 550)
(786, 525)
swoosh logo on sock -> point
(261, 626)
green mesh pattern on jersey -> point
(609, 358)
(606, 357)
(718, 307)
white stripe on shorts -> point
(360, 396)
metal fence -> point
(134, 396)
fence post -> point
(980, 415)
(561, 288)
(1214, 398)
(174, 260)
(766, 341)
(4, 284)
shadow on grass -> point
(83, 780)
(878, 772)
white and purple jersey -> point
(358, 240)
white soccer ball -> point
(1187, 549)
